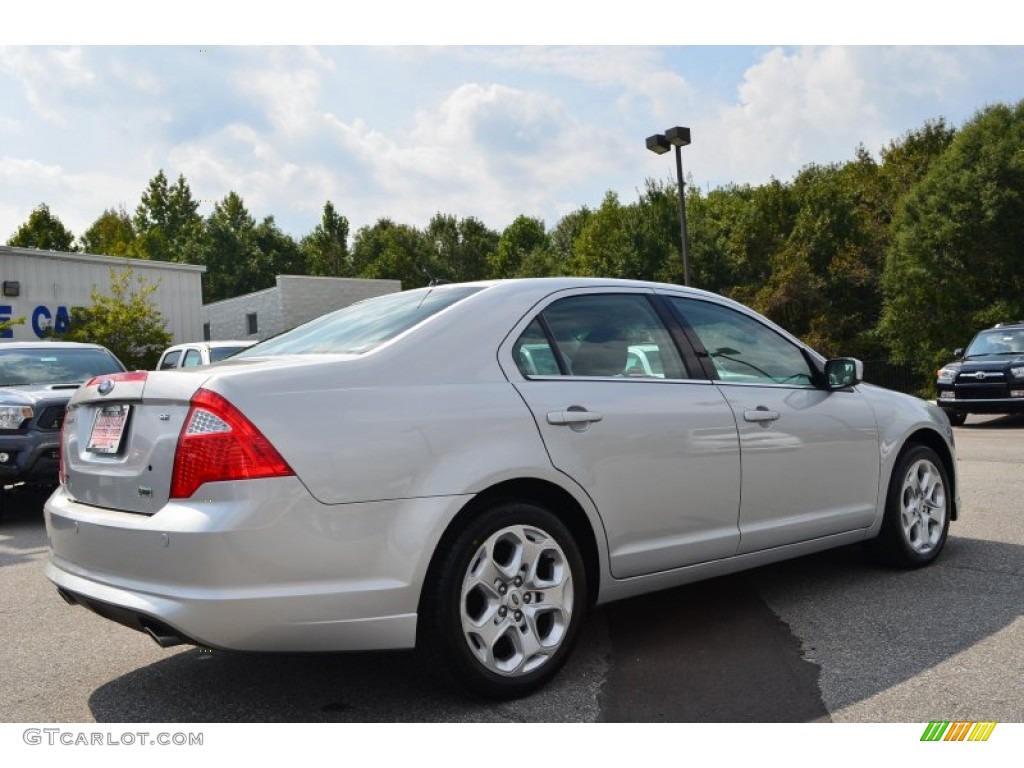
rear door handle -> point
(569, 416)
(761, 414)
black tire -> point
(504, 601)
(918, 508)
(956, 418)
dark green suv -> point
(987, 377)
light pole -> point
(659, 143)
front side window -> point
(742, 349)
(192, 359)
(598, 335)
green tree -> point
(523, 246)
(956, 264)
(326, 247)
(564, 237)
(603, 247)
(112, 234)
(123, 320)
(234, 263)
(389, 251)
(7, 325)
(44, 231)
(461, 248)
(167, 222)
(824, 283)
(277, 254)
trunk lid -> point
(120, 435)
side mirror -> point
(842, 372)
(958, 352)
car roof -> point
(49, 345)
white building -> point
(44, 287)
(294, 300)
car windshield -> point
(997, 342)
(361, 327)
(53, 365)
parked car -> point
(36, 381)
(469, 468)
(199, 353)
(987, 377)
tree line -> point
(901, 258)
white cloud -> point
(289, 96)
(48, 77)
(636, 74)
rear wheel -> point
(918, 510)
(505, 602)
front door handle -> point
(760, 414)
(571, 416)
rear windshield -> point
(54, 365)
(361, 327)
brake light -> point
(124, 376)
(218, 443)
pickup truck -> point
(36, 381)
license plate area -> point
(107, 431)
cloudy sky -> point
(492, 131)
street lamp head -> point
(677, 136)
(658, 144)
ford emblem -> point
(105, 386)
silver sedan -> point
(469, 468)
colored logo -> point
(939, 730)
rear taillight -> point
(123, 376)
(218, 443)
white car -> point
(469, 468)
(199, 353)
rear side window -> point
(192, 359)
(598, 335)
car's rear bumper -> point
(273, 571)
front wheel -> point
(918, 509)
(506, 600)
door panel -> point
(656, 451)
(811, 472)
(661, 464)
(810, 455)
